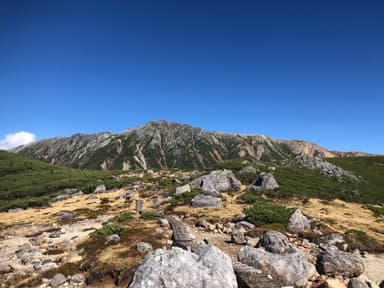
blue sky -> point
(311, 70)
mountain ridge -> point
(162, 145)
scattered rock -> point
(248, 169)
(206, 201)
(55, 234)
(317, 163)
(206, 266)
(298, 223)
(60, 198)
(239, 217)
(237, 237)
(63, 216)
(160, 202)
(77, 279)
(333, 262)
(163, 222)
(15, 210)
(245, 224)
(37, 241)
(274, 241)
(183, 189)
(144, 247)
(181, 234)
(289, 269)
(264, 181)
(91, 197)
(100, 188)
(57, 280)
(24, 248)
(114, 238)
(5, 268)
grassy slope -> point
(25, 182)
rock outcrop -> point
(333, 262)
(205, 266)
(290, 268)
(298, 223)
(264, 181)
(317, 163)
(217, 181)
(206, 201)
(274, 241)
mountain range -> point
(164, 145)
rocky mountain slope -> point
(164, 145)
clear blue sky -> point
(310, 70)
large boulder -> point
(290, 268)
(332, 239)
(333, 262)
(361, 282)
(205, 266)
(100, 188)
(274, 241)
(298, 223)
(217, 181)
(264, 181)
(206, 201)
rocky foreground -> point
(99, 240)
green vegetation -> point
(378, 211)
(148, 215)
(184, 198)
(124, 216)
(357, 239)
(109, 228)
(30, 183)
(267, 213)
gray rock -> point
(206, 201)
(357, 283)
(206, 266)
(264, 181)
(60, 198)
(217, 181)
(250, 277)
(298, 223)
(114, 238)
(15, 210)
(248, 169)
(328, 169)
(26, 258)
(24, 248)
(63, 216)
(163, 222)
(100, 188)
(239, 217)
(91, 197)
(245, 224)
(5, 268)
(160, 202)
(274, 241)
(79, 193)
(181, 234)
(333, 262)
(289, 268)
(57, 280)
(332, 239)
(144, 247)
(237, 237)
(77, 279)
(55, 234)
(183, 189)
(37, 240)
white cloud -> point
(16, 139)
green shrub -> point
(148, 215)
(264, 213)
(378, 211)
(124, 216)
(251, 197)
(109, 228)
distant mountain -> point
(163, 144)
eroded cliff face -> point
(164, 145)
